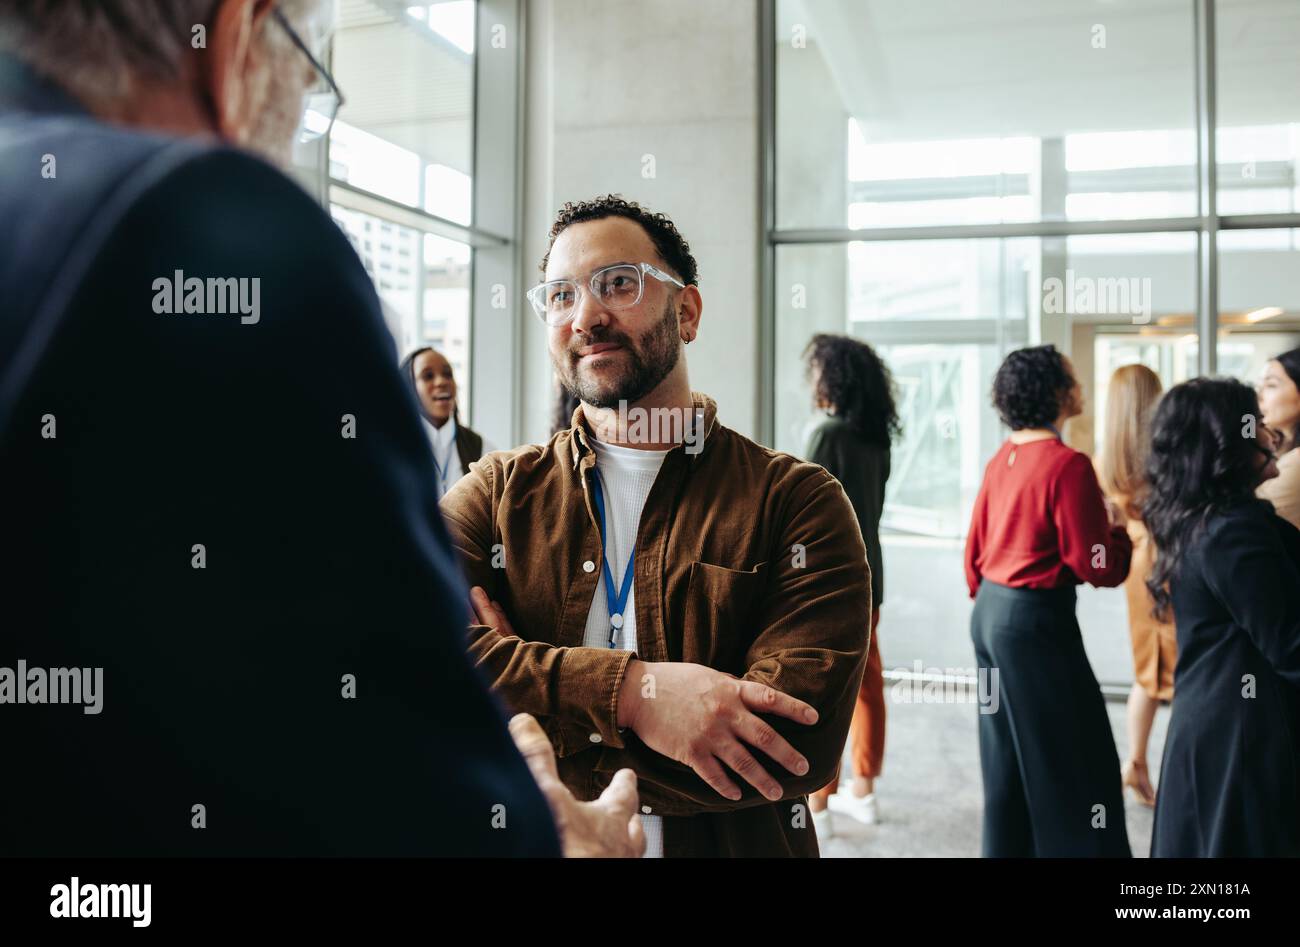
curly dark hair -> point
(1202, 460)
(1030, 387)
(858, 386)
(671, 246)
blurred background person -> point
(1279, 405)
(1130, 403)
(1040, 527)
(1229, 569)
(455, 445)
(855, 390)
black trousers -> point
(1051, 772)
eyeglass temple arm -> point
(302, 46)
(661, 275)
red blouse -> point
(1040, 522)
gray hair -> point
(95, 50)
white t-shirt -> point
(626, 475)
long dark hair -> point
(1202, 460)
(1290, 362)
(408, 372)
(857, 385)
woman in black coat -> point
(1230, 569)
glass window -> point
(920, 114)
(944, 405)
(406, 129)
(446, 312)
(940, 313)
(405, 134)
(421, 306)
(1258, 137)
(944, 312)
(1259, 299)
(1045, 125)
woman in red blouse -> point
(1041, 527)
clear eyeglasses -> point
(321, 103)
(616, 287)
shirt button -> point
(588, 566)
(595, 738)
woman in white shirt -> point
(455, 445)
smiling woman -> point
(455, 445)
(1279, 403)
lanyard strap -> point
(613, 603)
(443, 467)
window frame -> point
(493, 233)
(1206, 224)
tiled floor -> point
(930, 796)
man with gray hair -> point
(234, 517)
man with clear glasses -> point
(698, 616)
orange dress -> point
(1155, 647)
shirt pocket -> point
(718, 622)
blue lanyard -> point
(614, 604)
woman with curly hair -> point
(1228, 567)
(856, 391)
(1040, 528)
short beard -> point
(276, 128)
(278, 96)
(650, 364)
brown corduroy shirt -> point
(748, 561)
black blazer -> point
(1230, 778)
(862, 468)
(324, 555)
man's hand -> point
(489, 613)
(703, 718)
(607, 828)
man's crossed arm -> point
(702, 727)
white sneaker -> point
(861, 808)
(822, 825)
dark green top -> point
(862, 469)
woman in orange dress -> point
(1130, 405)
